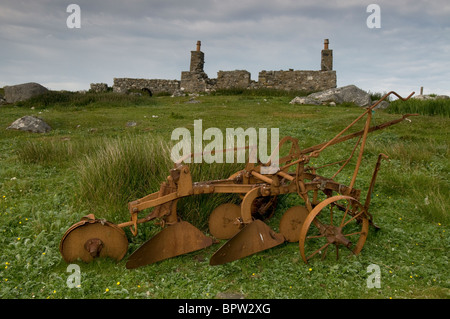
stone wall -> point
(233, 79)
(308, 81)
(194, 82)
(197, 81)
(99, 87)
(123, 85)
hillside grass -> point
(93, 162)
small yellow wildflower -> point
(310, 269)
(107, 289)
(118, 283)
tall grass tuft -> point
(439, 107)
(76, 99)
(126, 169)
(432, 202)
(53, 151)
(121, 170)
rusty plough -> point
(332, 215)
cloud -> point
(153, 39)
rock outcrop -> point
(349, 94)
(30, 124)
(22, 92)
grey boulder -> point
(30, 124)
(304, 100)
(349, 93)
(22, 92)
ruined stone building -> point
(197, 81)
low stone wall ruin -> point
(307, 81)
(197, 81)
(124, 85)
(233, 79)
(99, 87)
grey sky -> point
(153, 39)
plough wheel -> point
(224, 221)
(291, 222)
(340, 221)
(91, 238)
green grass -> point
(439, 107)
(93, 162)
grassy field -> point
(93, 162)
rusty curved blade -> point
(254, 237)
(178, 239)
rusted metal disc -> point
(223, 221)
(91, 238)
(291, 223)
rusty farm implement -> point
(332, 218)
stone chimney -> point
(197, 59)
(326, 63)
